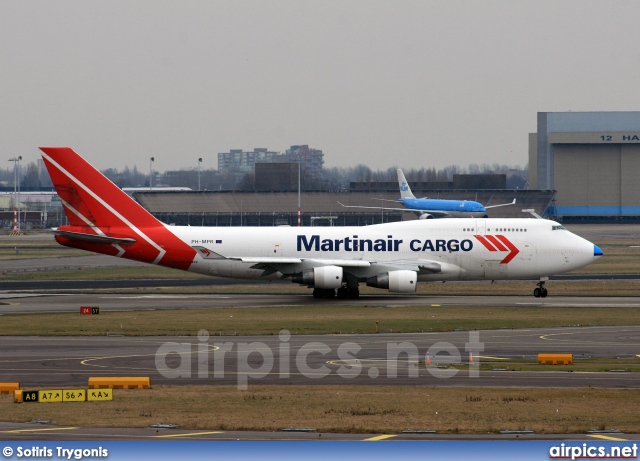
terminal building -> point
(322, 208)
(592, 160)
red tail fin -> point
(106, 220)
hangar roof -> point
(327, 202)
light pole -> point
(16, 187)
(299, 193)
(151, 160)
(199, 163)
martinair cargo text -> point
(393, 256)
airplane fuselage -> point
(464, 208)
(465, 249)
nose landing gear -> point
(541, 291)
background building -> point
(592, 159)
(311, 160)
(276, 177)
(238, 161)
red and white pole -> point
(299, 192)
(15, 220)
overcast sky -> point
(383, 83)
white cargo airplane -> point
(394, 256)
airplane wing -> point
(420, 266)
(503, 204)
(533, 212)
(384, 199)
(434, 213)
(324, 262)
(273, 260)
(287, 266)
(375, 207)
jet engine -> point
(426, 216)
(327, 277)
(397, 281)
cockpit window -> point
(558, 228)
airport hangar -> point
(592, 160)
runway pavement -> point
(71, 286)
(56, 361)
(382, 359)
(49, 432)
(30, 303)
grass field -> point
(316, 319)
(349, 408)
(42, 246)
(103, 273)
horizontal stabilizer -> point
(93, 238)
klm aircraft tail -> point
(405, 190)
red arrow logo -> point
(499, 243)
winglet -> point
(533, 212)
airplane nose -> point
(597, 252)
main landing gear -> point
(324, 293)
(348, 292)
(342, 293)
(541, 291)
